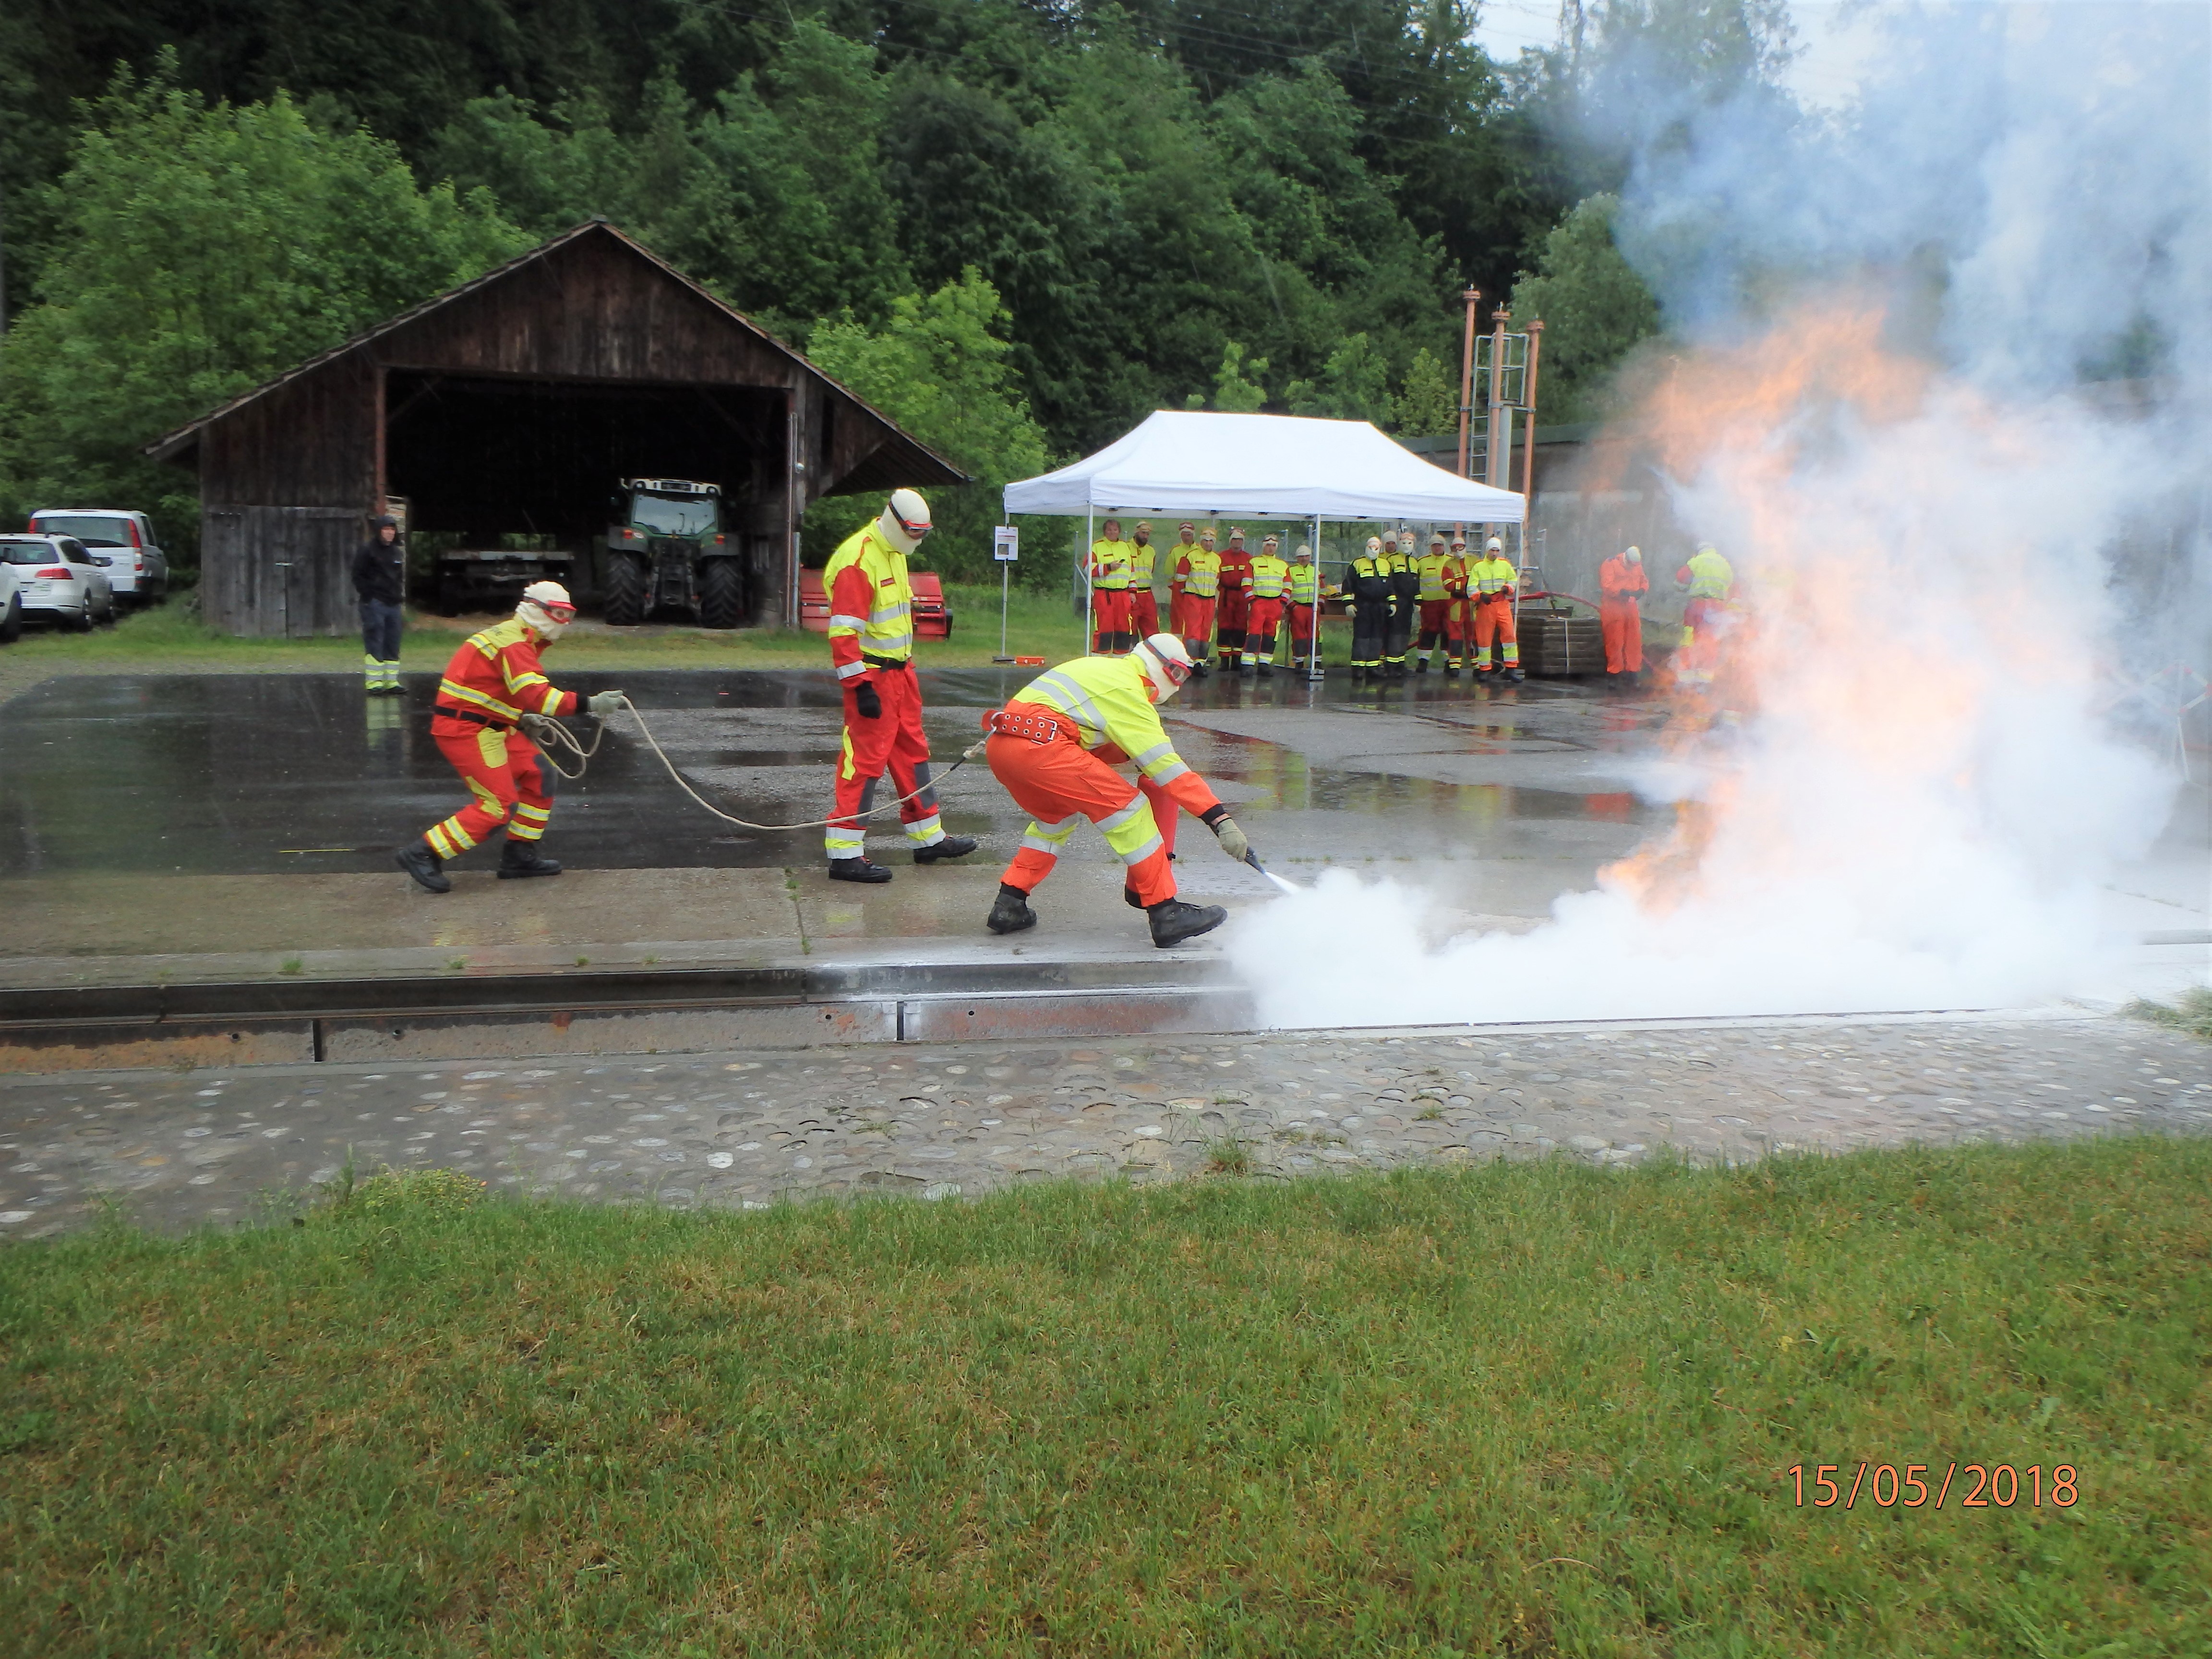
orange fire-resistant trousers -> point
(893, 742)
(1194, 623)
(1111, 607)
(507, 778)
(1624, 635)
(1145, 611)
(1058, 783)
(1494, 618)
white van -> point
(121, 543)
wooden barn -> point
(513, 405)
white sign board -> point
(1005, 544)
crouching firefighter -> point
(1055, 747)
(492, 684)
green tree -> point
(1594, 307)
(1234, 393)
(938, 367)
(1354, 386)
(211, 246)
(1428, 402)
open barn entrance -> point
(501, 463)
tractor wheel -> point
(721, 593)
(625, 595)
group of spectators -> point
(1229, 605)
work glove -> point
(603, 703)
(1232, 839)
(864, 699)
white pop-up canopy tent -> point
(1263, 466)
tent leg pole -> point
(1089, 603)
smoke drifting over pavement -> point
(1910, 791)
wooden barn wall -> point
(278, 571)
(311, 442)
(591, 310)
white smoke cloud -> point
(1883, 422)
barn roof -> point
(901, 455)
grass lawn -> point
(170, 638)
(1519, 1409)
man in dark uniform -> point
(379, 583)
(1367, 584)
(1405, 604)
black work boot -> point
(858, 869)
(1513, 675)
(518, 859)
(1011, 912)
(425, 866)
(1173, 921)
(1420, 665)
(952, 847)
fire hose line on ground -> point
(549, 735)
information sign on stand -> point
(1006, 549)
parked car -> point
(58, 581)
(121, 542)
(11, 605)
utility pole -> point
(1529, 445)
(1467, 378)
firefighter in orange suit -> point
(492, 684)
(1235, 613)
(871, 646)
(1269, 581)
(1493, 580)
(1110, 589)
(1197, 588)
(1056, 745)
(1461, 616)
(1620, 579)
(1435, 571)
(1144, 604)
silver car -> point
(121, 542)
(56, 580)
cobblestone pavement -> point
(960, 1119)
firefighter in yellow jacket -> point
(1056, 745)
(872, 646)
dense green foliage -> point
(1525, 1409)
(1141, 205)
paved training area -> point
(744, 1131)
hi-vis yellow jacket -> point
(1110, 565)
(871, 603)
(1270, 574)
(1197, 572)
(1489, 578)
(1141, 555)
(493, 680)
(1707, 575)
(1305, 582)
(1436, 571)
(1108, 701)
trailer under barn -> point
(512, 405)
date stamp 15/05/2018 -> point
(1906, 1486)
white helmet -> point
(1493, 545)
(1165, 662)
(905, 520)
(546, 609)
(1634, 556)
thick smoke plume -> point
(1897, 417)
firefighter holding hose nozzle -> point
(493, 683)
(1055, 747)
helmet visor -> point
(559, 609)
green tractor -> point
(672, 549)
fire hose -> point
(551, 735)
